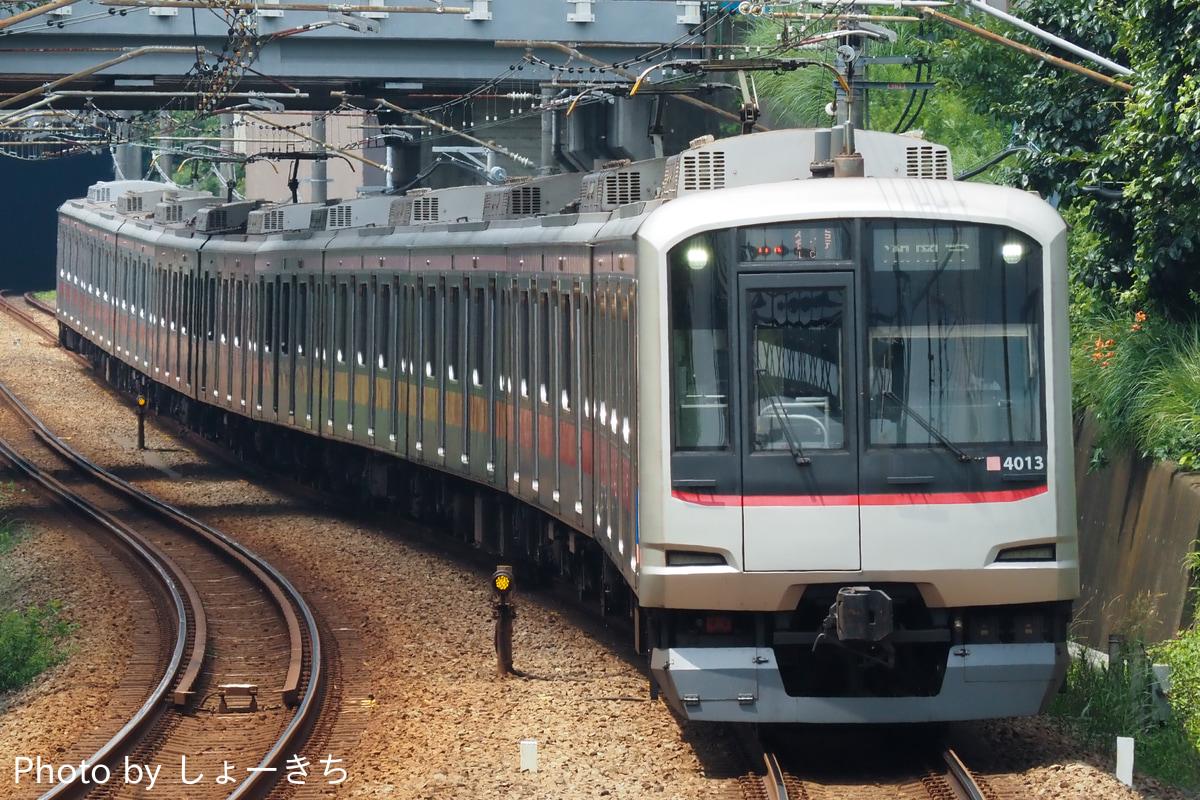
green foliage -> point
(30, 643)
(1182, 655)
(11, 532)
(1100, 703)
(799, 98)
(1131, 159)
(1143, 382)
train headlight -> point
(502, 580)
(697, 258)
(1012, 252)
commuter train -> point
(797, 402)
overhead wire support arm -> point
(571, 51)
(314, 140)
(1027, 50)
(35, 12)
(126, 56)
(1070, 47)
(495, 148)
(284, 6)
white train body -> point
(819, 429)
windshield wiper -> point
(781, 416)
(932, 431)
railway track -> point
(232, 636)
(786, 769)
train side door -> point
(796, 359)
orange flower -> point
(1096, 356)
(1140, 316)
(1136, 327)
(1108, 343)
(1099, 342)
(1105, 364)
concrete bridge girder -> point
(413, 50)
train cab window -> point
(430, 334)
(955, 343)
(340, 321)
(566, 347)
(453, 334)
(543, 351)
(360, 324)
(523, 346)
(796, 353)
(698, 284)
(479, 336)
(383, 326)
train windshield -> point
(954, 343)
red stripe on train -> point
(947, 498)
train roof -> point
(618, 191)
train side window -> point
(252, 332)
(224, 330)
(339, 323)
(302, 318)
(523, 345)
(503, 326)
(583, 327)
(383, 326)
(185, 317)
(430, 333)
(173, 295)
(479, 337)
(360, 324)
(543, 351)
(210, 308)
(452, 334)
(406, 315)
(285, 317)
(565, 350)
(269, 318)
(238, 312)
(628, 363)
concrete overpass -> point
(300, 52)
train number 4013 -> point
(1023, 463)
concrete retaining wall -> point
(1137, 523)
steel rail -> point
(285, 595)
(774, 780)
(961, 778)
(154, 707)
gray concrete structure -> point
(427, 48)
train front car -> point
(858, 392)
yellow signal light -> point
(502, 579)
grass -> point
(1140, 374)
(30, 642)
(50, 296)
(11, 532)
(1099, 704)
